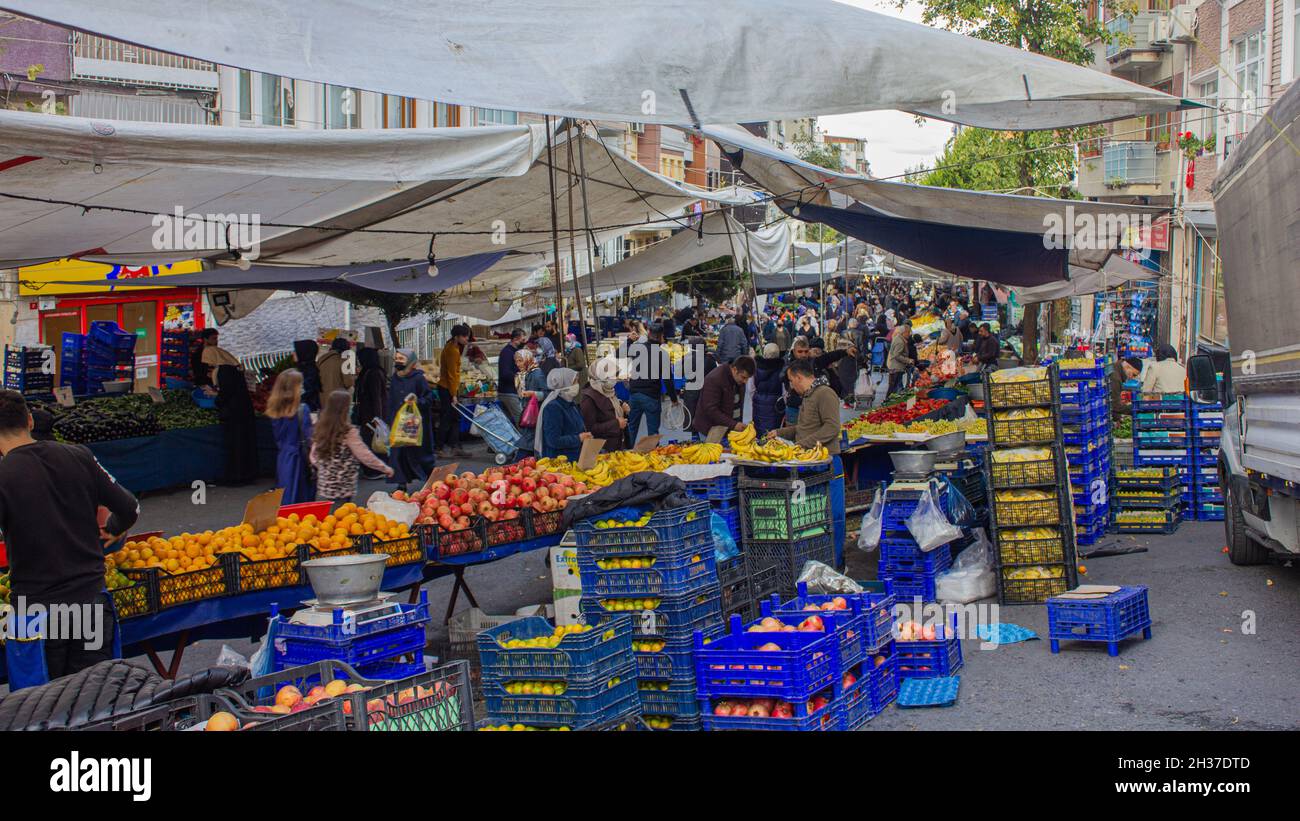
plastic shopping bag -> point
(408, 426)
(960, 512)
(869, 537)
(928, 525)
(972, 576)
(724, 546)
(528, 419)
(822, 580)
(379, 442)
(403, 512)
(863, 386)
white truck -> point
(1257, 207)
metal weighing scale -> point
(315, 614)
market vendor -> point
(722, 397)
(50, 497)
(819, 423)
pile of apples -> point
(496, 494)
(812, 624)
(766, 707)
(837, 603)
(914, 631)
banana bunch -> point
(1024, 534)
(744, 445)
(741, 440)
(1018, 375)
(1022, 413)
(1024, 495)
(702, 453)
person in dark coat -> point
(292, 427)
(238, 430)
(411, 465)
(768, 369)
(304, 354)
(604, 414)
(371, 393)
(560, 429)
(722, 398)
(702, 364)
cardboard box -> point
(565, 584)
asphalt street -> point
(1225, 650)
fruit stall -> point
(148, 445)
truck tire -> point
(1242, 550)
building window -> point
(1291, 32)
(447, 116)
(672, 167)
(245, 96)
(399, 112)
(1248, 71)
(495, 116)
(1213, 309)
(342, 107)
(1203, 122)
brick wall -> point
(1205, 52)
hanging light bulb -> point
(433, 258)
(243, 263)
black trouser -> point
(63, 657)
(448, 421)
(895, 377)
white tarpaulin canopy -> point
(671, 61)
(718, 235)
(1115, 272)
(482, 190)
(1022, 241)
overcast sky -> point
(894, 141)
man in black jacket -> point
(50, 497)
(986, 347)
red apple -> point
(758, 710)
(812, 624)
(723, 708)
(740, 708)
(783, 709)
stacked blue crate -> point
(1205, 497)
(908, 571)
(723, 495)
(389, 644)
(107, 353)
(30, 371)
(673, 594)
(1086, 434)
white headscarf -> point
(563, 384)
(604, 376)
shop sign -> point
(75, 276)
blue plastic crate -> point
(855, 705)
(931, 564)
(1201, 422)
(848, 626)
(672, 619)
(908, 586)
(1159, 459)
(660, 579)
(1171, 522)
(676, 661)
(1097, 372)
(1209, 493)
(717, 489)
(1165, 501)
(884, 681)
(344, 629)
(375, 647)
(928, 659)
(732, 665)
(1172, 402)
(601, 706)
(666, 529)
(1110, 620)
(1205, 511)
(828, 718)
(578, 658)
(671, 697)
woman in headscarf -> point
(411, 464)
(546, 359)
(560, 430)
(603, 413)
(575, 358)
(304, 354)
(371, 396)
(238, 430)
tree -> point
(716, 280)
(1055, 28)
(396, 307)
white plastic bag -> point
(928, 524)
(379, 444)
(403, 512)
(972, 576)
(229, 657)
(863, 386)
(869, 536)
(822, 580)
(674, 417)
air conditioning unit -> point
(1182, 24)
(1159, 31)
(636, 128)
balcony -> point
(1142, 44)
(1127, 169)
(101, 59)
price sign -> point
(156, 395)
(64, 396)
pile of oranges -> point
(196, 551)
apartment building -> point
(853, 153)
(1234, 56)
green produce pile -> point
(127, 416)
(1123, 427)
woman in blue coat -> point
(411, 464)
(292, 427)
(560, 429)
